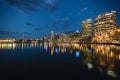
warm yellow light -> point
(119, 56)
(118, 30)
(0, 46)
(111, 54)
(103, 52)
(6, 46)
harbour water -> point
(61, 60)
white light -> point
(77, 31)
(52, 32)
(112, 73)
(90, 66)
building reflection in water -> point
(119, 56)
(77, 54)
(19, 45)
(7, 46)
(105, 58)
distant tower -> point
(23, 35)
(52, 36)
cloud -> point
(29, 6)
(38, 29)
(51, 5)
(29, 24)
(62, 24)
(82, 10)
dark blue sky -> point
(35, 18)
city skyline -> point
(37, 21)
(103, 30)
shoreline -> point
(65, 42)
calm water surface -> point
(61, 60)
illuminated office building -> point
(115, 35)
(105, 23)
(87, 28)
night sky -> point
(36, 18)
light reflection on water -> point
(19, 45)
(105, 58)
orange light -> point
(119, 56)
(111, 54)
(0, 46)
(118, 30)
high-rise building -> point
(105, 22)
(87, 28)
(115, 35)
